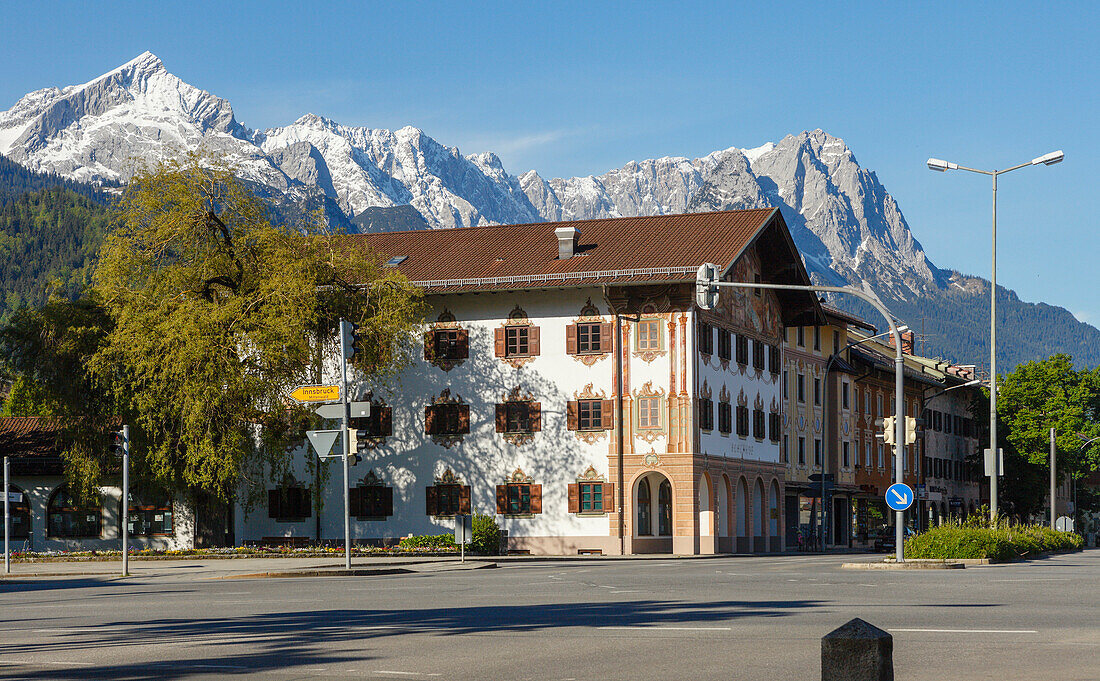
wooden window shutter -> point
(534, 411)
(606, 332)
(533, 344)
(429, 345)
(571, 419)
(464, 499)
(536, 498)
(498, 342)
(463, 344)
(429, 419)
(608, 496)
(355, 501)
(607, 414)
(432, 501)
(502, 418)
(463, 418)
(387, 501)
(571, 339)
(574, 498)
(273, 506)
(385, 421)
(502, 499)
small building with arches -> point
(49, 518)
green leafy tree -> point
(209, 315)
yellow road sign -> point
(315, 393)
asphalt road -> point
(726, 618)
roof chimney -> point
(567, 241)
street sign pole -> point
(346, 444)
(126, 501)
(7, 521)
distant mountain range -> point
(847, 226)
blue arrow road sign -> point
(899, 496)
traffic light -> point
(706, 293)
(118, 445)
(888, 430)
(910, 430)
(349, 332)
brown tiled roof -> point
(610, 251)
(848, 318)
(31, 442)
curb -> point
(936, 565)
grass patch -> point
(995, 543)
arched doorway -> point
(707, 529)
(725, 520)
(774, 533)
(652, 496)
(744, 544)
(759, 528)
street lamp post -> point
(942, 166)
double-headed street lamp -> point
(942, 166)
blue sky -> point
(580, 88)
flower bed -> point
(235, 552)
(1001, 543)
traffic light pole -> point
(346, 442)
(708, 277)
(7, 521)
(125, 501)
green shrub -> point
(1001, 543)
(486, 539)
(434, 542)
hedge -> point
(429, 541)
(1004, 543)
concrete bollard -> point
(857, 651)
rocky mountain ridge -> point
(845, 223)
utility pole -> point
(347, 350)
(7, 521)
(1052, 479)
(125, 501)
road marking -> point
(58, 664)
(1034, 579)
(627, 592)
(383, 671)
(645, 628)
(970, 631)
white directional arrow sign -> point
(899, 496)
(322, 440)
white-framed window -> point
(649, 412)
(649, 335)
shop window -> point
(149, 517)
(65, 518)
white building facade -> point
(566, 383)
